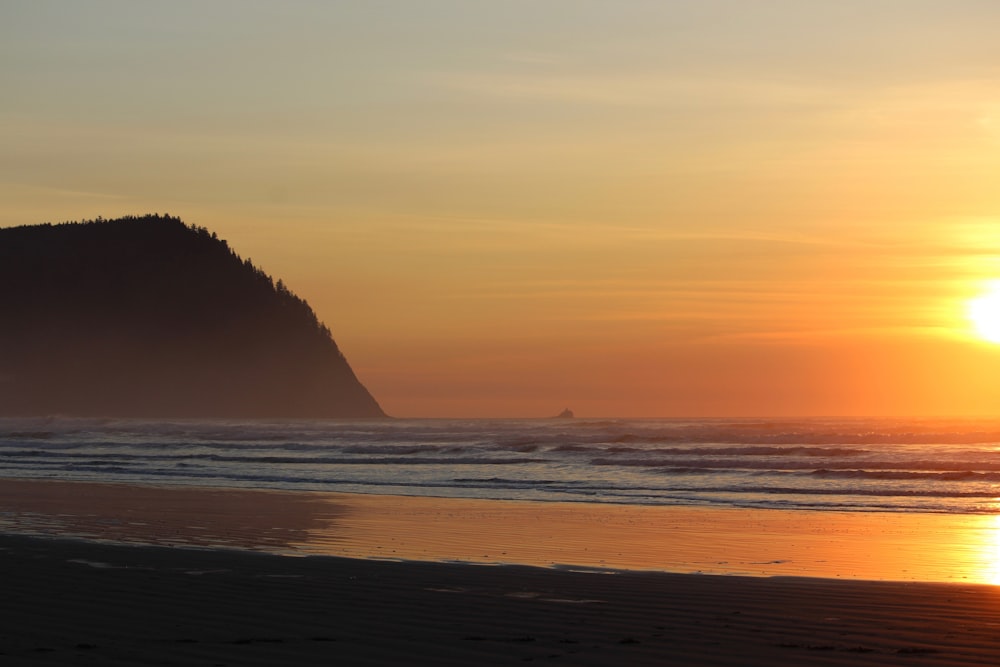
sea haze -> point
(950, 466)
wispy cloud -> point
(535, 58)
(28, 190)
(629, 89)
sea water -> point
(899, 465)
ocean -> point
(840, 464)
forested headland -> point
(150, 317)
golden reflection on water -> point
(990, 551)
(837, 545)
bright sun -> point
(984, 311)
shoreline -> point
(213, 593)
(677, 539)
(73, 602)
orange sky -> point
(630, 209)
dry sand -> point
(78, 602)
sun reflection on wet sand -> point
(845, 545)
(989, 551)
(838, 545)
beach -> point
(79, 603)
(207, 577)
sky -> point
(503, 209)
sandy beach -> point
(85, 602)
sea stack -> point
(150, 317)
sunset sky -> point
(630, 208)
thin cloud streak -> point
(628, 89)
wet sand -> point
(836, 545)
(81, 602)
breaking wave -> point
(845, 464)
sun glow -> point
(984, 311)
(990, 573)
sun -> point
(984, 311)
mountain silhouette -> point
(149, 317)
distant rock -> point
(565, 414)
(149, 317)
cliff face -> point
(149, 317)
